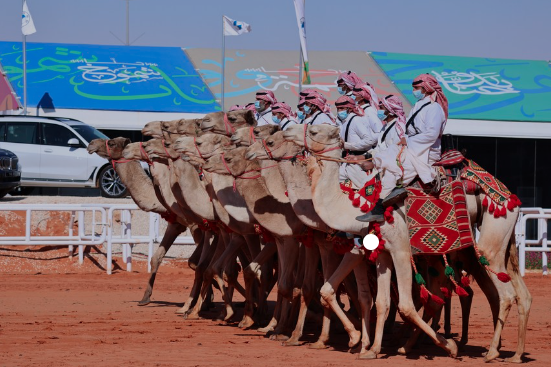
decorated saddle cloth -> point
(438, 225)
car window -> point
(21, 132)
(56, 135)
(2, 131)
(89, 133)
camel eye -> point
(198, 143)
(232, 119)
(270, 143)
(313, 132)
(228, 160)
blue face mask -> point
(381, 114)
(353, 97)
(343, 115)
(418, 95)
(275, 119)
(257, 105)
(301, 115)
(307, 109)
(341, 91)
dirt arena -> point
(64, 314)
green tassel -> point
(483, 260)
(449, 272)
(433, 272)
(419, 279)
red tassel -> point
(286, 193)
(515, 200)
(364, 208)
(351, 195)
(496, 213)
(503, 277)
(491, 208)
(511, 204)
(373, 256)
(465, 281)
(446, 292)
(437, 299)
(485, 202)
(424, 294)
(461, 292)
(356, 202)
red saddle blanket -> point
(438, 225)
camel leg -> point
(406, 306)
(172, 231)
(208, 249)
(288, 251)
(382, 303)
(195, 256)
(366, 301)
(308, 288)
(330, 262)
(254, 275)
(328, 294)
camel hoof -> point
(403, 351)
(246, 323)
(451, 347)
(265, 330)
(355, 337)
(191, 316)
(291, 343)
(514, 359)
(229, 315)
(144, 302)
(317, 345)
(182, 310)
(491, 355)
(279, 337)
(368, 355)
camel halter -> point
(319, 155)
(144, 155)
(169, 157)
(197, 148)
(252, 139)
(230, 129)
(241, 176)
(113, 161)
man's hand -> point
(367, 165)
(403, 142)
(354, 158)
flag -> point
(299, 10)
(27, 24)
(234, 27)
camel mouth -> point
(235, 139)
(91, 150)
(250, 156)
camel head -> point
(132, 151)
(217, 123)
(230, 162)
(157, 149)
(274, 147)
(315, 138)
(153, 129)
(245, 136)
(203, 146)
(188, 127)
(116, 146)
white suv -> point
(52, 153)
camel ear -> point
(249, 118)
(127, 141)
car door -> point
(59, 161)
(22, 139)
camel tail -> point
(511, 258)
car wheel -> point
(21, 191)
(110, 184)
(4, 193)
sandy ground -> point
(74, 315)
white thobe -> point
(286, 123)
(264, 118)
(374, 122)
(319, 118)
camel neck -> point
(192, 189)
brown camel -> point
(334, 207)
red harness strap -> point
(197, 148)
(113, 161)
(144, 154)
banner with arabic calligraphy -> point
(248, 71)
(96, 77)
(478, 88)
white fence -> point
(102, 231)
(539, 244)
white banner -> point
(299, 10)
(234, 27)
(27, 24)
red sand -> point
(70, 315)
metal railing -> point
(539, 244)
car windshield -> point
(89, 133)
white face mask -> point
(418, 95)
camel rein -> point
(113, 161)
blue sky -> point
(518, 29)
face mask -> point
(257, 106)
(275, 119)
(353, 97)
(307, 109)
(301, 115)
(343, 115)
(381, 114)
(418, 95)
(341, 91)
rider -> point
(356, 137)
(265, 99)
(367, 99)
(317, 110)
(346, 82)
(282, 115)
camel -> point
(147, 197)
(334, 207)
(274, 215)
(226, 123)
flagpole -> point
(223, 61)
(300, 70)
(24, 75)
